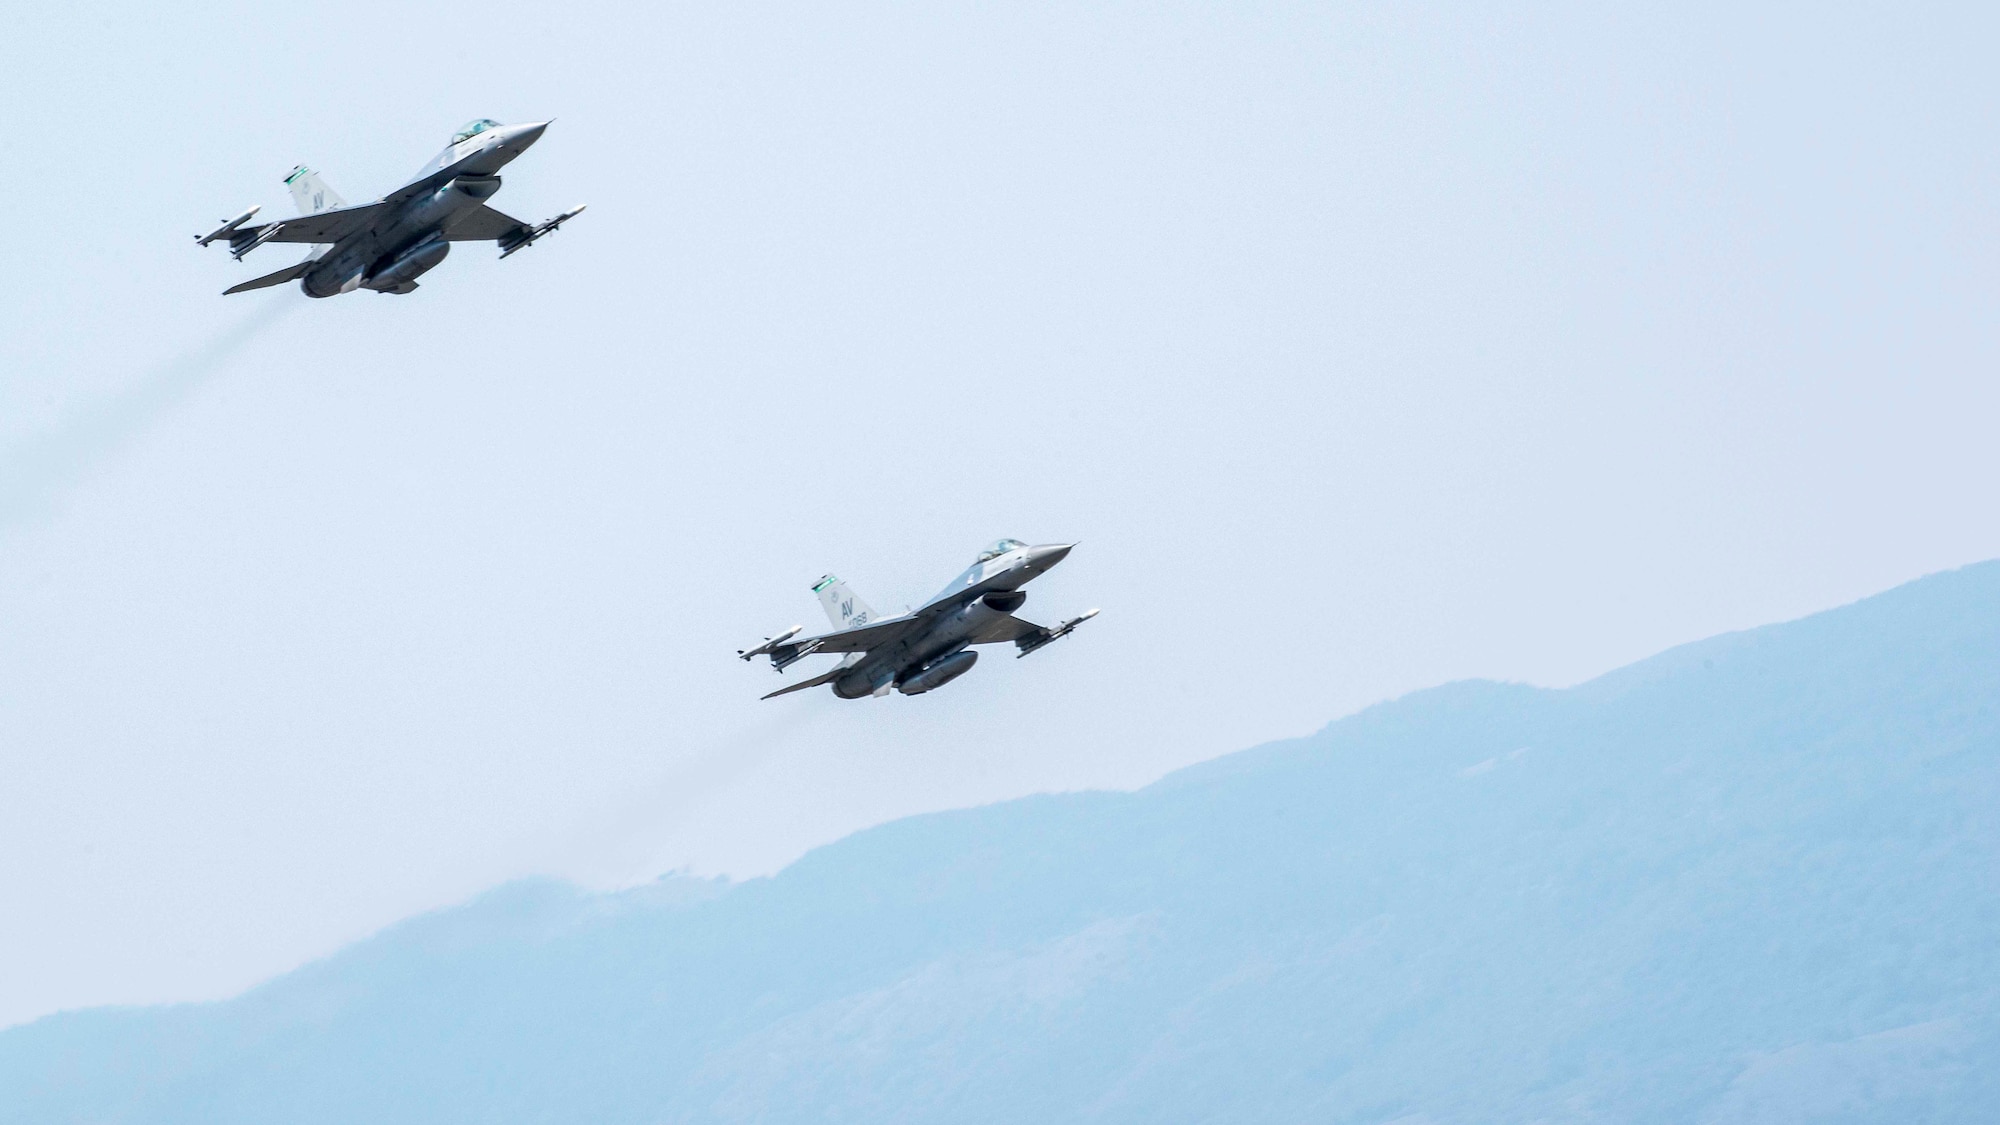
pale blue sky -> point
(1362, 348)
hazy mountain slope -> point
(1751, 879)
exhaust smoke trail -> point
(38, 469)
(615, 846)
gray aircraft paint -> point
(386, 245)
(927, 647)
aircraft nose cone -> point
(1048, 554)
(521, 136)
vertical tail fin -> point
(311, 193)
(842, 607)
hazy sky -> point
(1363, 348)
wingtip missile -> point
(1034, 641)
(241, 242)
(769, 643)
(228, 227)
(522, 239)
(784, 656)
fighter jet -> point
(928, 647)
(386, 245)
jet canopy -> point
(999, 547)
(473, 129)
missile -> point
(226, 228)
(769, 643)
(1034, 641)
(521, 239)
(782, 661)
(239, 245)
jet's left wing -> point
(322, 227)
(327, 226)
(861, 638)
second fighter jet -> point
(930, 646)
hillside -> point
(1753, 879)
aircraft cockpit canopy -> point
(1000, 547)
(473, 129)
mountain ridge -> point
(1745, 874)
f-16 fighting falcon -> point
(386, 245)
(930, 646)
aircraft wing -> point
(289, 273)
(816, 681)
(1026, 635)
(861, 638)
(484, 224)
(325, 226)
(1008, 628)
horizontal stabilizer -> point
(289, 273)
(816, 681)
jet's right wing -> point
(1026, 635)
(484, 224)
